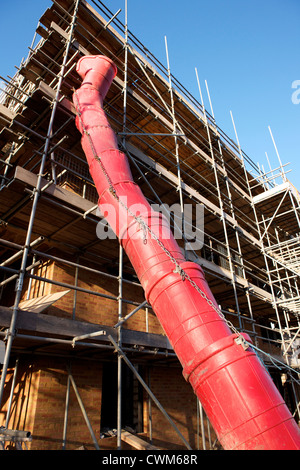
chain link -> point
(96, 157)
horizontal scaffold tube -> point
(236, 391)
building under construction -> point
(93, 355)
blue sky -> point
(247, 51)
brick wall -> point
(40, 392)
(178, 399)
(40, 397)
(92, 308)
(24, 397)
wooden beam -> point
(51, 93)
(44, 324)
(27, 177)
(6, 116)
(136, 442)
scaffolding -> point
(250, 240)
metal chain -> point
(95, 155)
(240, 339)
(145, 227)
(178, 269)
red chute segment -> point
(238, 395)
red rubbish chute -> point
(238, 395)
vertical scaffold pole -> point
(176, 141)
(120, 278)
(66, 412)
(37, 189)
(119, 392)
(215, 168)
(278, 156)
